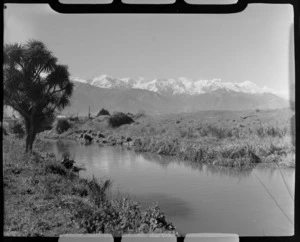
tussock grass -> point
(227, 138)
(56, 168)
(44, 198)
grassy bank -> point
(44, 198)
(226, 138)
(221, 138)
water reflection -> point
(238, 173)
(195, 197)
(165, 161)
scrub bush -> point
(62, 126)
(118, 119)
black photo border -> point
(181, 7)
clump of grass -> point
(219, 132)
(188, 133)
(263, 131)
(56, 168)
(98, 191)
(80, 189)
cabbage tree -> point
(34, 84)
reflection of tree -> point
(62, 147)
(267, 169)
(229, 171)
(163, 161)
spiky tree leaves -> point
(34, 84)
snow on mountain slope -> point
(180, 86)
(77, 79)
(130, 95)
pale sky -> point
(252, 45)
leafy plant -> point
(98, 191)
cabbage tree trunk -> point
(31, 133)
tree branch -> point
(17, 108)
(55, 91)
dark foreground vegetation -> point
(46, 197)
(225, 138)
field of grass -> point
(44, 198)
(226, 138)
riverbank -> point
(44, 198)
(224, 138)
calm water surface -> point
(195, 198)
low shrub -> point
(62, 125)
(118, 119)
(80, 189)
(140, 114)
(56, 168)
(124, 216)
(74, 118)
(66, 161)
(103, 112)
(18, 130)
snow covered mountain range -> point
(161, 96)
(173, 86)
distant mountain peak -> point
(170, 86)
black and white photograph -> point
(148, 123)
